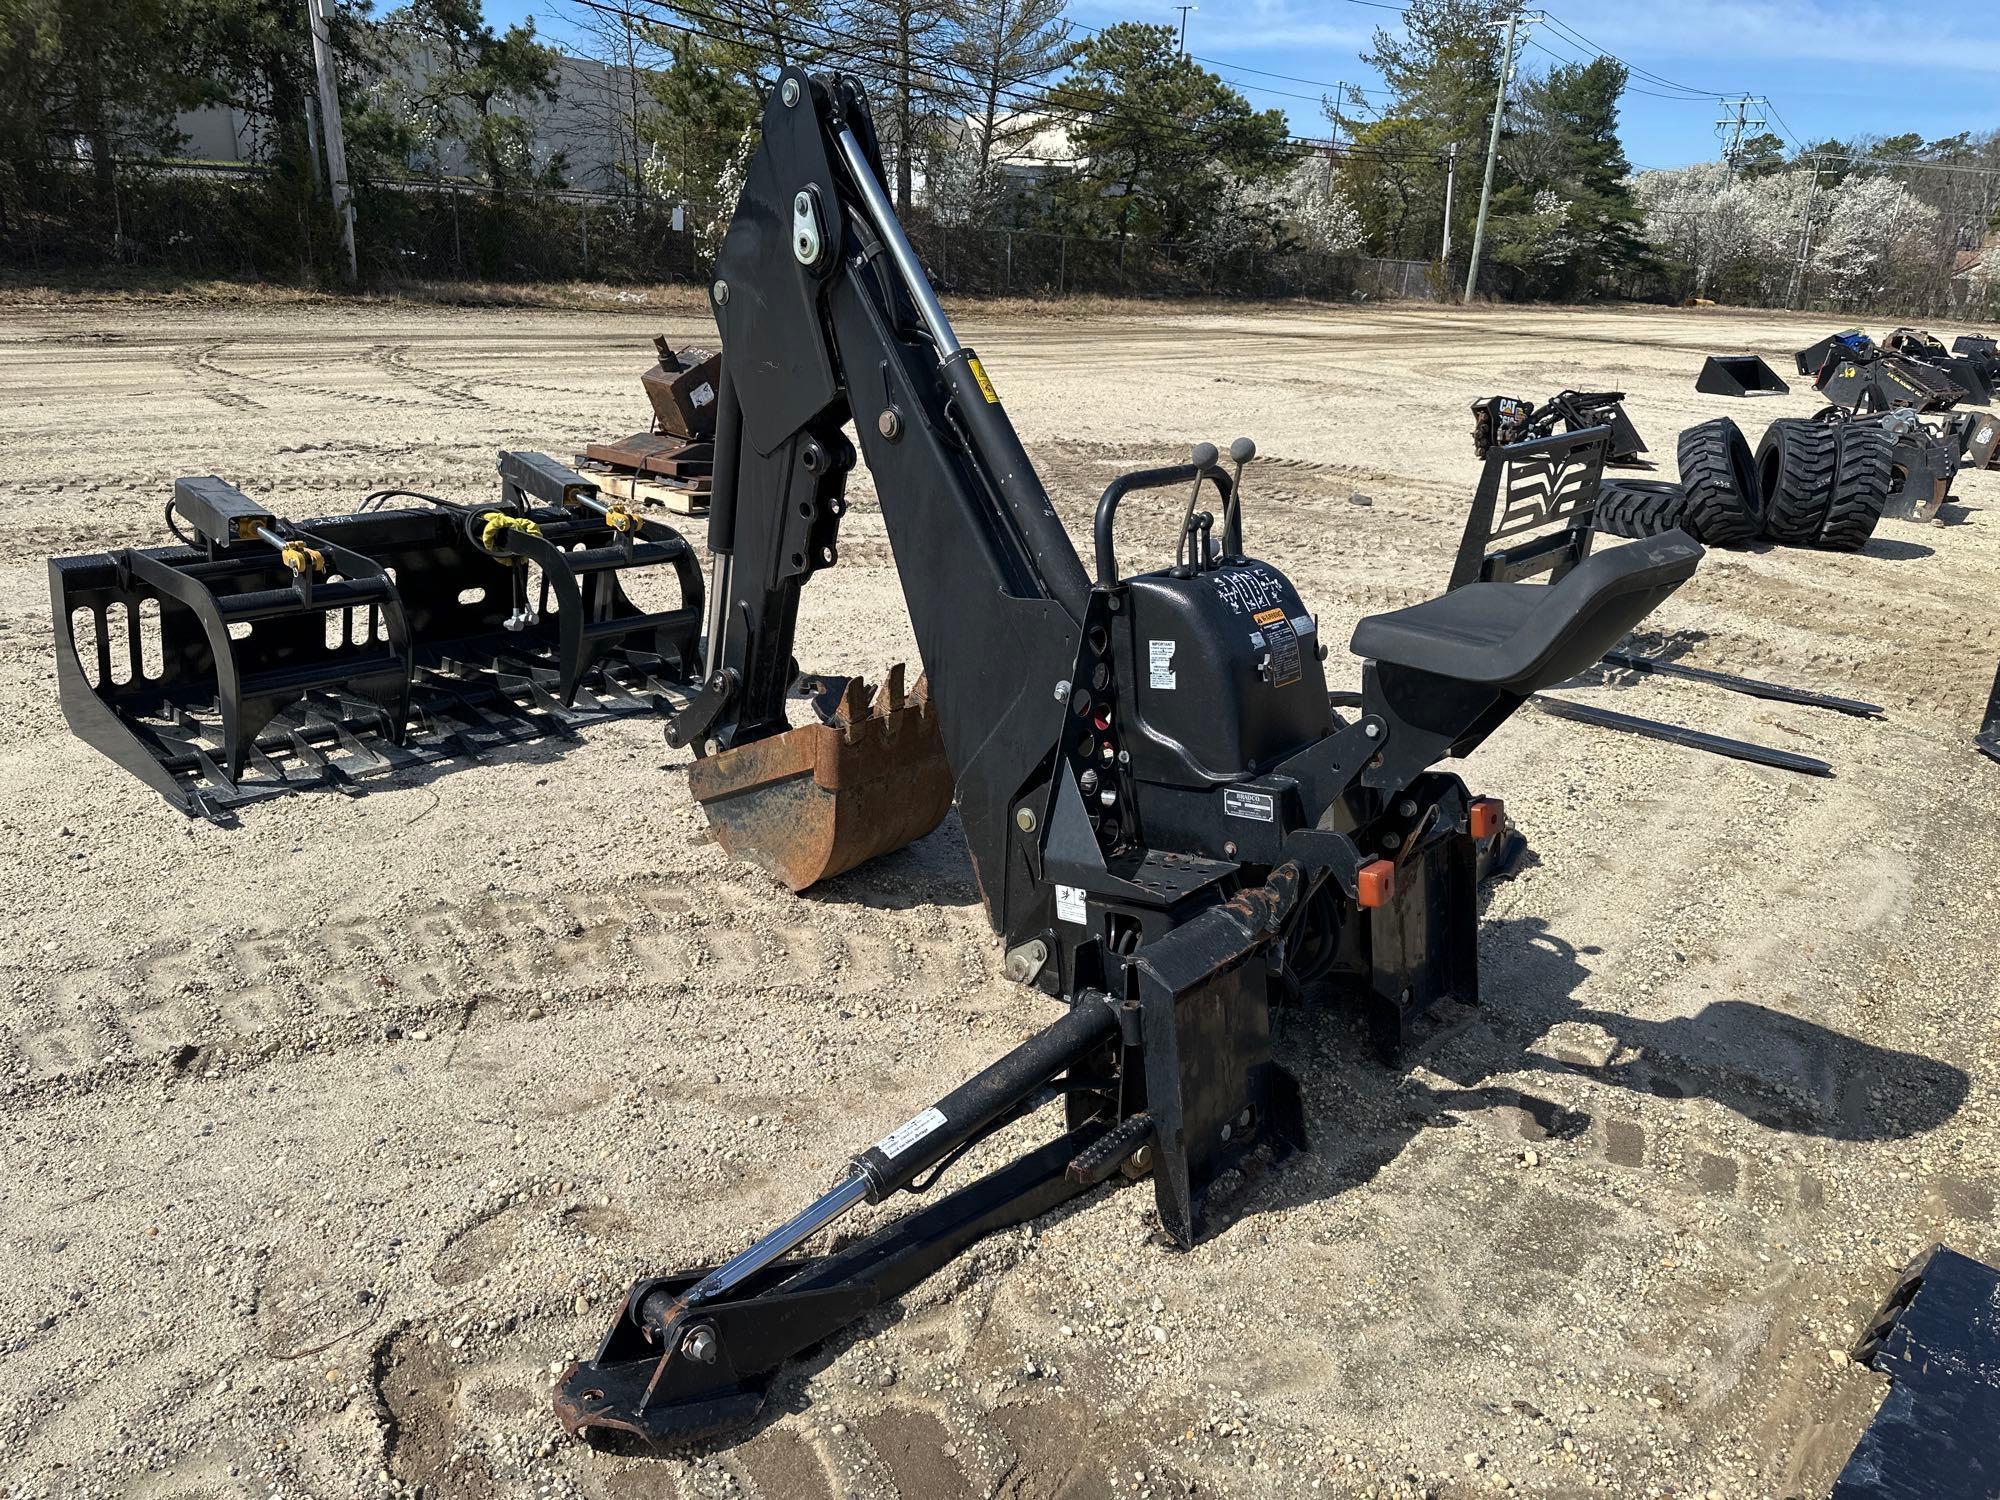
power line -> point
(1686, 88)
(1629, 88)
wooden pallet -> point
(653, 469)
(683, 498)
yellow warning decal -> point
(985, 385)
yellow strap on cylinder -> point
(303, 559)
(497, 523)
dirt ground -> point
(332, 1135)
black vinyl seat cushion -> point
(1523, 636)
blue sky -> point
(1828, 68)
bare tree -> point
(618, 36)
(902, 46)
(1000, 55)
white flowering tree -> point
(1876, 235)
(1318, 211)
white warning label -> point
(1069, 905)
(1160, 656)
(912, 1130)
(701, 395)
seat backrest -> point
(1546, 485)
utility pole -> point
(1514, 17)
(1805, 241)
(1333, 145)
(1184, 9)
(1736, 124)
(336, 146)
(1450, 182)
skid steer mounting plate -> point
(819, 799)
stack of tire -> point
(1807, 485)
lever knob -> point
(1243, 450)
(1204, 455)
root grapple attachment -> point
(1499, 421)
(265, 655)
(820, 799)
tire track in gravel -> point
(192, 361)
(354, 978)
(394, 359)
(408, 367)
(200, 363)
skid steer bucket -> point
(817, 800)
(1738, 375)
(263, 656)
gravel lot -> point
(331, 1135)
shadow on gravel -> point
(1895, 551)
(1781, 1071)
(936, 870)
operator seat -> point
(1522, 637)
(1446, 673)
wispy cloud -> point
(1734, 44)
(1227, 28)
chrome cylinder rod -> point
(780, 1241)
(883, 216)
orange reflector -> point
(1487, 817)
(1375, 884)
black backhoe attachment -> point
(1173, 825)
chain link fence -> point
(198, 220)
(203, 221)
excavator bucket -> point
(262, 656)
(821, 798)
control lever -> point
(1240, 452)
(1204, 458)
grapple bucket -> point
(819, 799)
(265, 656)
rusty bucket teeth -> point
(822, 798)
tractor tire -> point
(1795, 471)
(1719, 477)
(1863, 475)
(1639, 507)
